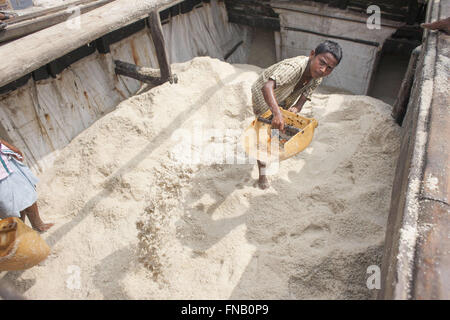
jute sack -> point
(20, 246)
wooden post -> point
(401, 103)
(158, 41)
(413, 9)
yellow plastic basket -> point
(258, 142)
(20, 246)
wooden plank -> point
(42, 12)
(17, 30)
(416, 263)
(147, 75)
(432, 265)
(334, 13)
(401, 103)
(255, 21)
(33, 51)
(431, 274)
(360, 41)
(158, 41)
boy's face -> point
(322, 65)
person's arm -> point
(16, 150)
(269, 97)
(441, 25)
(306, 95)
(299, 105)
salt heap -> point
(133, 221)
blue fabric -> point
(17, 191)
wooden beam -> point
(46, 11)
(362, 20)
(18, 30)
(270, 23)
(147, 75)
(158, 41)
(366, 42)
(229, 53)
(36, 50)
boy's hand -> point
(278, 122)
(294, 109)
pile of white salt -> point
(133, 222)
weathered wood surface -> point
(33, 51)
(401, 103)
(20, 29)
(160, 45)
(390, 9)
(432, 266)
(46, 11)
(416, 263)
(324, 11)
(303, 27)
(143, 74)
(43, 116)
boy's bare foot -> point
(33, 215)
(263, 183)
(43, 227)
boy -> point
(290, 83)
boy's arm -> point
(299, 105)
(306, 95)
(269, 97)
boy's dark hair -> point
(332, 47)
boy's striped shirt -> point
(286, 75)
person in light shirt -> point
(18, 194)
